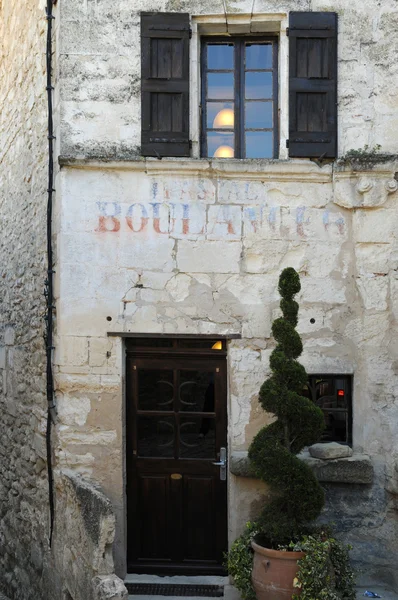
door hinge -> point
(190, 144)
(287, 143)
(287, 31)
(190, 33)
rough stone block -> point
(239, 464)
(373, 258)
(330, 450)
(109, 587)
(355, 469)
(208, 256)
(73, 351)
(151, 253)
(98, 348)
(9, 336)
(373, 291)
(376, 226)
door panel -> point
(153, 495)
(177, 503)
(199, 512)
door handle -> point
(222, 463)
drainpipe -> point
(49, 290)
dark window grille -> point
(333, 394)
(239, 97)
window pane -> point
(259, 144)
(156, 436)
(220, 144)
(220, 85)
(220, 56)
(196, 391)
(333, 395)
(155, 389)
(258, 115)
(258, 56)
(220, 115)
(258, 85)
(197, 437)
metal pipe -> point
(49, 290)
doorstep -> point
(229, 592)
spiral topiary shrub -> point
(297, 496)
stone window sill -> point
(355, 469)
(256, 169)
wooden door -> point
(177, 496)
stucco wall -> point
(197, 247)
(23, 166)
(100, 69)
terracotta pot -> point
(274, 572)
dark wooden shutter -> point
(165, 84)
(313, 84)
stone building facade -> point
(184, 247)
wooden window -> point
(313, 84)
(165, 84)
(333, 394)
(239, 97)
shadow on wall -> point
(84, 534)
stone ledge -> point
(354, 469)
(247, 169)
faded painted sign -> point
(213, 221)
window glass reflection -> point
(258, 85)
(258, 56)
(258, 115)
(220, 56)
(220, 86)
(220, 115)
(259, 144)
(220, 144)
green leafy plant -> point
(239, 562)
(298, 496)
(325, 572)
(365, 158)
(286, 522)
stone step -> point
(177, 580)
(168, 598)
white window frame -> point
(233, 24)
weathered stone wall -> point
(196, 247)
(182, 247)
(100, 69)
(23, 172)
(84, 534)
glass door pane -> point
(155, 389)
